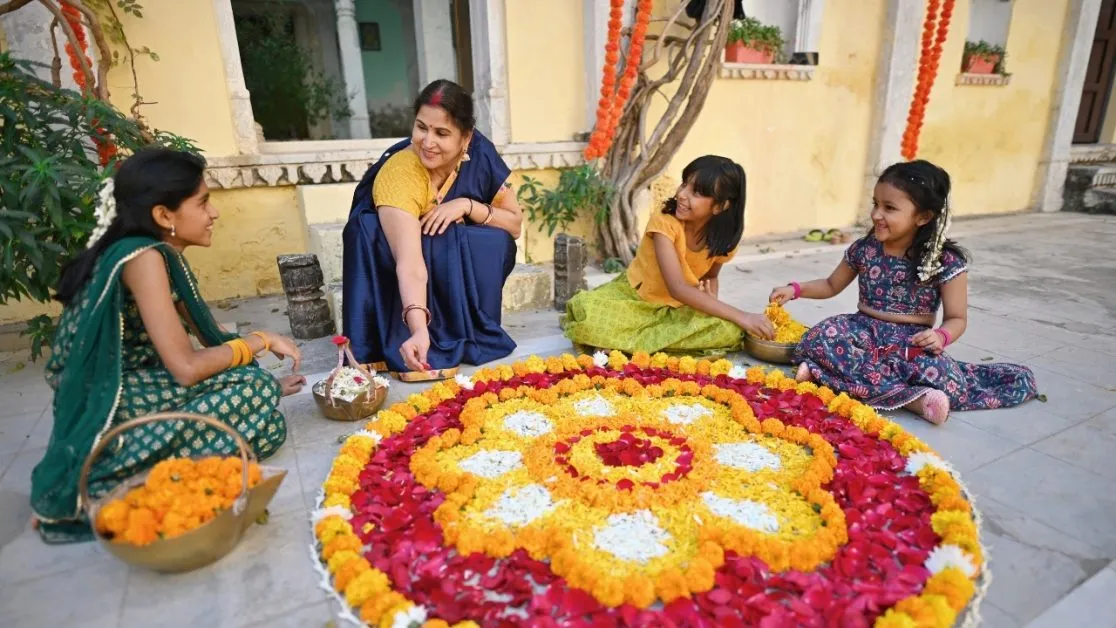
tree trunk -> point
(637, 157)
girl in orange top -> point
(667, 299)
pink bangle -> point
(946, 338)
(797, 289)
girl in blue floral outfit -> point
(889, 354)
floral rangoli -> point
(599, 491)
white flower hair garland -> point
(104, 212)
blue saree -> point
(466, 269)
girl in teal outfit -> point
(123, 346)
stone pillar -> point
(307, 310)
(570, 258)
(434, 39)
(240, 102)
(490, 69)
(352, 66)
(895, 83)
(1073, 62)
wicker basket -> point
(203, 545)
(769, 351)
(364, 406)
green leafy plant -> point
(49, 176)
(986, 51)
(579, 189)
(289, 95)
(757, 35)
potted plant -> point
(751, 41)
(982, 57)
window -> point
(798, 20)
(989, 22)
(346, 69)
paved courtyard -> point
(1041, 294)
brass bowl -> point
(203, 545)
(769, 351)
(364, 406)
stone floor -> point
(1041, 294)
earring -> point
(172, 231)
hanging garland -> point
(929, 60)
(611, 104)
(106, 149)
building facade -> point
(811, 131)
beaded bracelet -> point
(264, 337)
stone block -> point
(307, 310)
(571, 256)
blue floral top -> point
(890, 284)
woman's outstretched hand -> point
(441, 217)
(757, 325)
(414, 351)
(781, 295)
(284, 348)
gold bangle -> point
(245, 351)
(488, 218)
(237, 352)
(262, 336)
(415, 306)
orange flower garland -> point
(179, 494)
(611, 104)
(929, 60)
(106, 149)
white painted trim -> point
(1073, 62)
(896, 74)
(240, 104)
(808, 26)
(348, 164)
(766, 72)
(488, 26)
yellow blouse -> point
(404, 182)
(644, 274)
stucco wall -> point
(990, 138)
(803, 144)
(546, 70)
(187, 85)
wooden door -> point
(1098, 78)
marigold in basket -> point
(787, 330)
(179, 495)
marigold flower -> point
(369, 583)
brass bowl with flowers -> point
(358, 408)
(192, 544)
(788, 332)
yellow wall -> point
(803, 144)
(546, 70)
(256, 225)
(187, 84)
(990, 139)
(1108, 127)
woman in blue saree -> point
(428, 245)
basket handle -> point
(246, 454)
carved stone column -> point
(352, 68)
(307, 310)
(570, 258)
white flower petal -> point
(491, 464)
(738, 372)
(594, 406)
(634, 537)
(945, 556)
(528, 424)
(751, 457)
(600, 359)
(748, 513)
(920, 459)
(686, 413)
(413, 616)
(464, 381)
(519, 507)
(322, 513)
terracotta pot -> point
(739, 52)
(976, 64)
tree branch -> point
(102, 47)
(13, 5)
(56, 62)
(71, 36)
